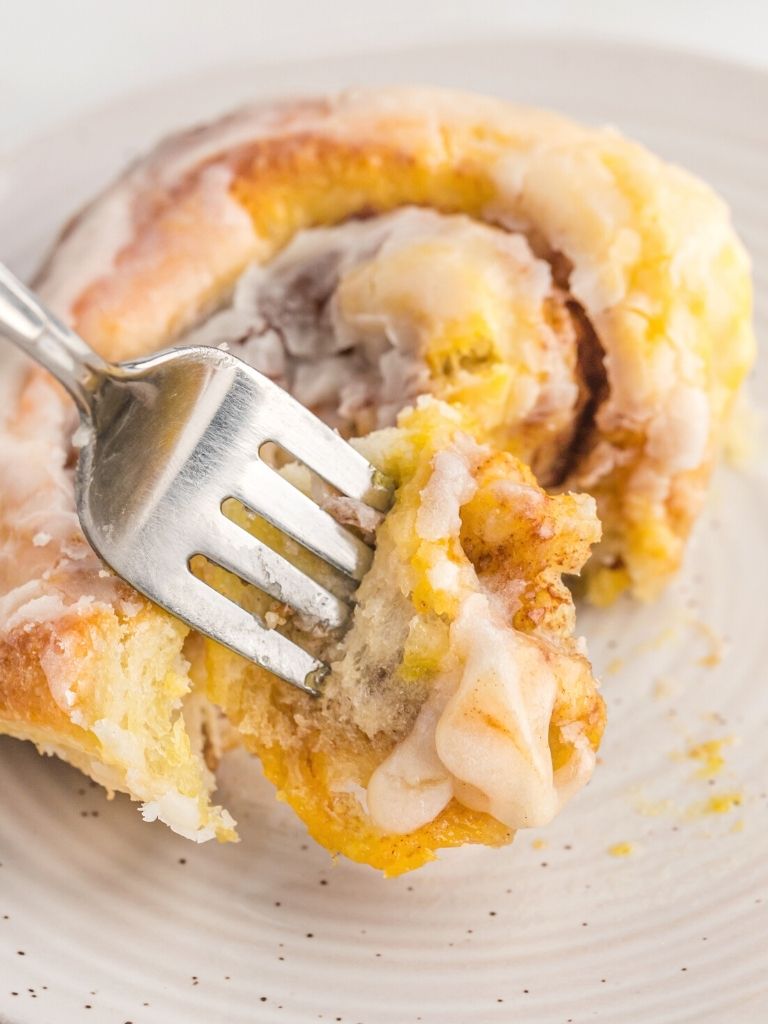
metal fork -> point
(163, 443)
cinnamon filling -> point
(326, 322)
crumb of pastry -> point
(623, 849)
(710, 756)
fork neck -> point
(73, 363)
(35, 330)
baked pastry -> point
(535, 328)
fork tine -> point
(312, 442)
(208, 611)
(271, 496)
(233, 548)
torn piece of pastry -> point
(533, 327)
(460, 706)
(89, 669)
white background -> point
(60, 57)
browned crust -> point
(27, 707)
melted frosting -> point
(47, 570)
(482, 736)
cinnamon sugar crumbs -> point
(621, 849)
(709, 755)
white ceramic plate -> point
(105, 919)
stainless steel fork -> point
(163, 443)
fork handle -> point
(26, 322)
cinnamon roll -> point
(535, 328)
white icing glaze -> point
(43, 607)
(48, 571)
(180, 154)
(89, 251)
(450, 486)
(482, 735)
(493, 733)
(412, 786)
(678, 436)
(89, 248)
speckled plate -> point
(644, 902)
